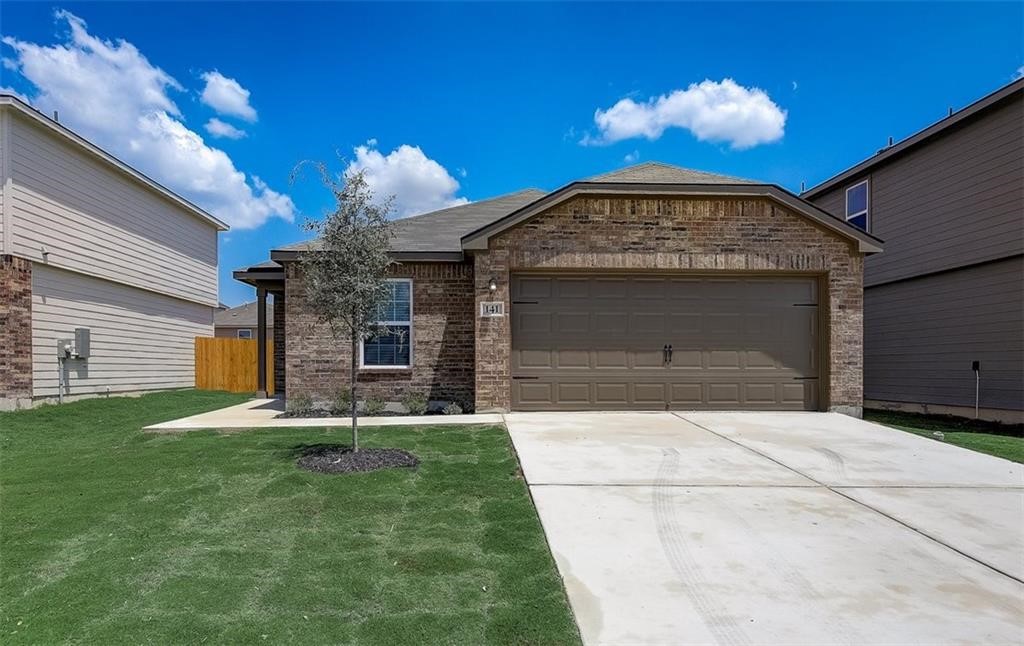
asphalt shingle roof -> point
(442, 231)
(659, 173)
(242, 316)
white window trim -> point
(238, 333)
(362, 344)
(867, 204)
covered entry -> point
(659, 341)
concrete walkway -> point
(262, 413)
(775, 528)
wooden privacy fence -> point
(230, 364)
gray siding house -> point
(949, 289)
(89, 243)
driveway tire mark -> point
(835, 461)
(722, 626)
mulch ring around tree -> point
(335, 458)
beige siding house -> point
(948, 294)
(87, 242)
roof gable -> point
(866, 243)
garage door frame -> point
(823, 308)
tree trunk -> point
(355, 398)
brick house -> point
(652, 287)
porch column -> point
(261, 342)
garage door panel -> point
(647, 323)
(534, 392)
(532, 323)
(683, 359)
(532, 359)
(652, 289)
(611, 394)
(686, 394)
(724, 394)
(604, 359)
(573, 392)
(653, 358)
(573, 288)
(649, 393)
(738, 342)
(610, 288)
(760, 393)
(574, 358)
(527, 287)
(721, 325)
(611, 323)
(723, 359)
(572, 322)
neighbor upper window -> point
(392, 348)
(244, 333)
(857, 205)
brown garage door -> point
(662, 342)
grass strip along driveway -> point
(1001, 440)
(110, 535)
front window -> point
(857, 205)
(244, 333)
(392, 347)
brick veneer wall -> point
(443, 353)
(279, 345)
(15, 332)
(685, 234)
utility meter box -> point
(82, 342)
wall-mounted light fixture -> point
(492, 285)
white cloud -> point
(632, 158)
(419, 184)
(219, 128)
(11, 91)
(1019, 74)
(227, 96)
(111, 94)
(713, 111)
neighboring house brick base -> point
(317, 364)
(15, 333)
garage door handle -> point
(670, 354)
(664, 355)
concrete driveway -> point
(775, 528)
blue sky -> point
(466, 101)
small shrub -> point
(301, 403)
(452, 408)
(343, 402)
(415, 403)
(373, 406)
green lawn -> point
(1000, 440)
(109, 535)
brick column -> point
(279, 344)
(15, 332)
(493, 335)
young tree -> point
(346, 268)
